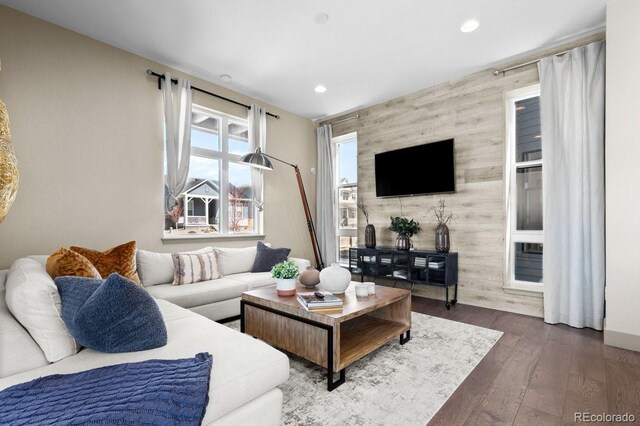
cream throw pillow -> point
(195, 268)
(33, 299)
(157, 268)
(237, 260)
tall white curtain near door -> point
(177, 121)
(257, 120)
(325, 193)
(572, 107)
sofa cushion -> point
(120, 259)
(34, 301)
(254, 279)
(267, 257)
(116, 315)
(18, 351)
(157, 268)
(243, 367)
(237, 260)
(198, 294)
(190, 268)
(63, 262)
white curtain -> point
(257, 118)
(572, 110)
(177, 119)
(325, 196)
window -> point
(217, 143)
(347, 194)
(524, 190)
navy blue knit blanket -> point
(154, 392)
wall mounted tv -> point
(422, 169)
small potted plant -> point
(285, 274)
(405, 228)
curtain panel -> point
(177, 120)
(325, 196)
(572, 96)
(257, 118)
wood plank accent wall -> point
(471, 110)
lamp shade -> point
(257, 159)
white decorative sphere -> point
(335, 279)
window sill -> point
(228, 237)
(533, 290)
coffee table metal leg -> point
(405, 337)
(241, 316)
(331, 385)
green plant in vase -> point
(406, 228)
(285, 274)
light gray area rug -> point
(395, 385)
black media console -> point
(415, 266)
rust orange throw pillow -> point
(120, 259)
(63, 262)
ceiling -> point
(367, 52)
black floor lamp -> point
(261, 160)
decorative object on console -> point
(261, 160)
(335, 279)
(120, 259)
(405, 228)
(443, 243)
(9, 175)
(267, 257)
(285, 274)
(310, 278)
(66, 262)
(117, 316)
(369, 230)
(192, 268)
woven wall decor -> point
(8, 164)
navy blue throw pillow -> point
(119, 316)
(267, 257)
(74, 292)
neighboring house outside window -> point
(217, 143)
(347, 194)
(523, 177)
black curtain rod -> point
(161, 77)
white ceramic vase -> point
(286, 287)
(335, 279)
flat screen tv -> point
(422, 169)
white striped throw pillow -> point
(195, 267)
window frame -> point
(224, 158)
(512, 234)
(338, 187)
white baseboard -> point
(622, 340)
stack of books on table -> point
(320, 301)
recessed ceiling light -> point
(320, 88)
(537, 137)
(470, 25)
(226, 78)
(521, 108)
(321, 18)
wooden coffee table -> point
(332, 340)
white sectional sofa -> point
(246, 372)
(217, 299)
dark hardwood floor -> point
(538, 374)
